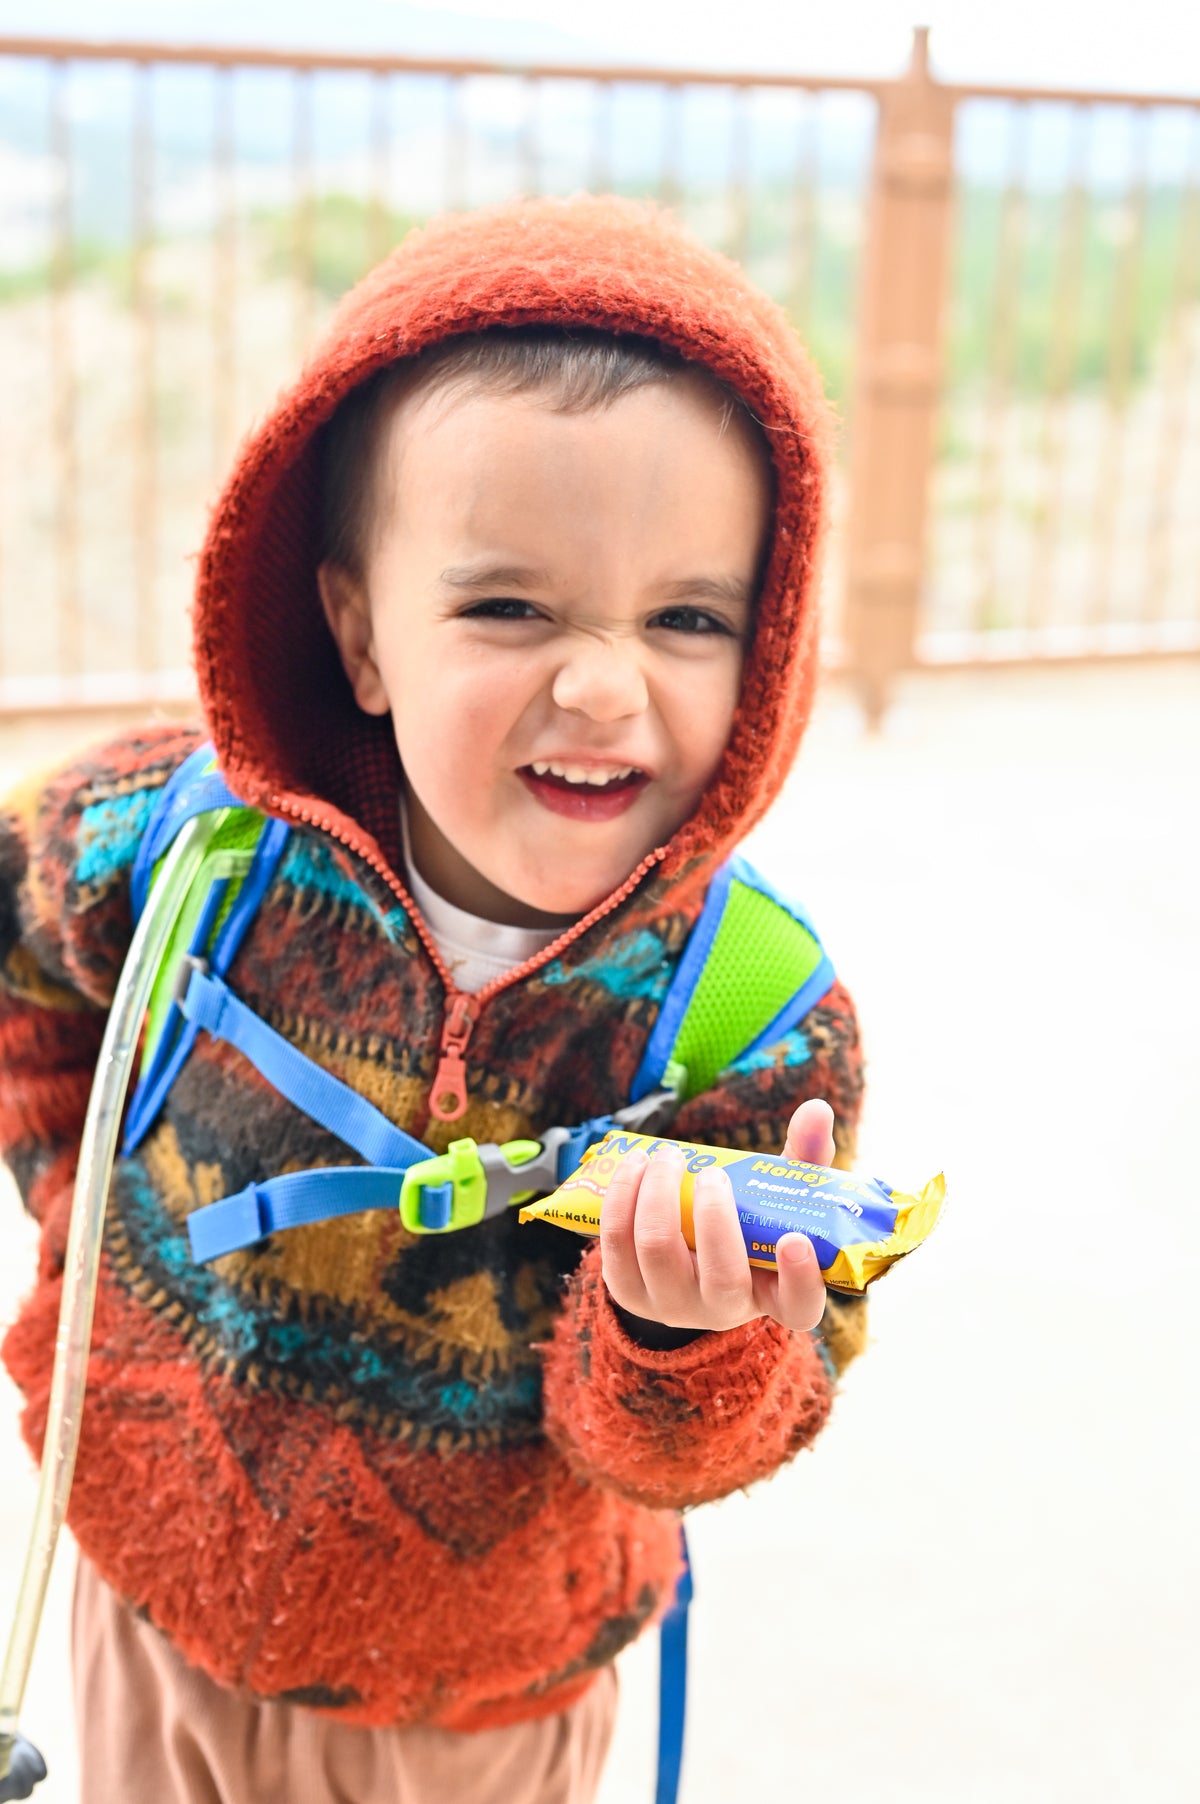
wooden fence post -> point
(898, 371)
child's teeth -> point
(575, 773)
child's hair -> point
(581, 368)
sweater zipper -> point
(448, 1094)
(448, 1091)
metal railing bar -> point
(804, 216)
(1060, 361)
(455, 172)
(1106, 643)
(670, 188)
(739, 176)
(1039, 96)
(59, 693)
(1118, 374)
(600, 176)
(530, 148)
(145, 475)
(1010, 255)
(224, 270)
(63, 381)
(1178, 382)
(378, 205)
(256, 57)
(303, 250)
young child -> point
(509, 609)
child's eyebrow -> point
(493, 576)
(732, 589)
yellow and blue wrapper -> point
(858, 1226)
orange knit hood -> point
(288, 732)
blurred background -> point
(984, 1581)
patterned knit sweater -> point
(405, 1479)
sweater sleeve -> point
(679, 1427)
(67, 845)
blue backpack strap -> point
(178, 1035)
(672, 1683)
(752, 968)
(210, 1003)
(195, 788)
(203, 999)
(295, 1200)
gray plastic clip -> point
(539, 1175)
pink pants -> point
(153, 1730)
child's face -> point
(554, 611)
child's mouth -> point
(584, 795)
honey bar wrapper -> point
(858, 1226)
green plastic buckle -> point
(462, 1169)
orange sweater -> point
(406, 1479)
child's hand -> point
(652, 1273)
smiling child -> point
(509, 611)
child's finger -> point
(801, 1296)
(663, 1255)
(722, 1265)
(810, 1133)
(622, 1273)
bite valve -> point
(25, 1768)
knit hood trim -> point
(289, 736)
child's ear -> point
(348, 612)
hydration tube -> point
(21, 1766)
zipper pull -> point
(448, 1097)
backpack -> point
(751, 969)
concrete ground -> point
(983, 1584)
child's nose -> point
(605, 681)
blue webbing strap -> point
(211, 1004)
(174, 1041)
(195, 788)
(255, 883)
(292, 1201)
(672, 1684)
(178, 1036)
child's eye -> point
(691, 620)
(500, 608)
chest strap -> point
(434, 1192)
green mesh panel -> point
(758, 959)
(230, 855)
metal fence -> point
(1001, 286)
